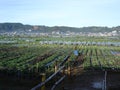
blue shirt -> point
(76, 52)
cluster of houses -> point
(59, 33)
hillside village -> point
(20, 29)
(58, 33)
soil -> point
(91, 80)
(85, 80)
(13, 83)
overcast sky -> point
(74, 13)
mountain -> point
(10, 27)
(19, 27)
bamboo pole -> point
(105, 80)
(48, 79)
(59, 81)
(69, 68)
(56, 66)
(43, 79)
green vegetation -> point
(26, 57)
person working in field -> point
(76, 52)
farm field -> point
(24, 59)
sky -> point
(73, 13)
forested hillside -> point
(19, 27)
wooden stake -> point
(43, 79)
(56, 67)
(69, 68)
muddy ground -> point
(85, 80)
(91, 80)
(13, 83)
